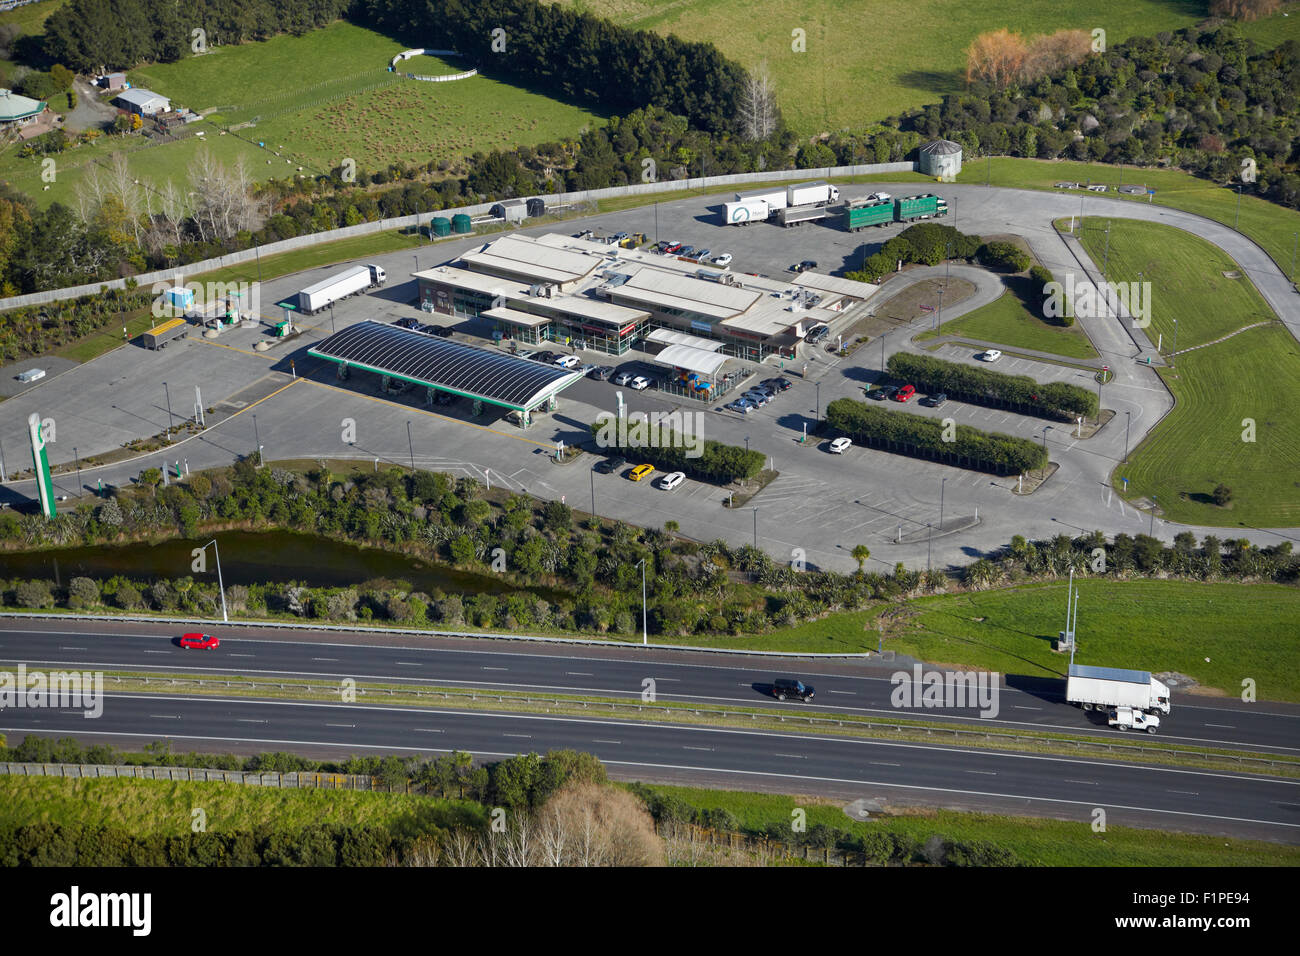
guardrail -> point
(191, 623)
(302, 780)
(781, 717)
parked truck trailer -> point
(348, 282)
(158, 337)
(800, 215)
(1106, 688)
(862, 213)
(744, 211)
(812, 194)
(908, 208)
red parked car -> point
(904, 393)
(200, 642)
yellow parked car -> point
(641, 471)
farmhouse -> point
(142, 102)
(556, 288)
(18, 111)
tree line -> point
(923, 437)
(647, 442)
(1056, 400)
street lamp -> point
(410, 444)
(941, 487)
(755, 528)
(1106, 264)
(819, 400)
(417, 263)
(332, 317)
(938, 321)
(168, 392)
(1174, 354)
(221, 588)
(929, 536)
(882, 351)
(1128, 420)
(1295, 242)
(78, 457)
(1045, 464)
(592, 474)
(644, 632)
(1152, 532)
(1237, 218)
(746, 443)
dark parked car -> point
(601, 373)
(444, 398)
(610, 465)
(780, 384)
(443, 331)
(407, 323)
(885, 391)
(803, 266)
(784, 687)
(934, 401)
(547, 357)
(816, 334)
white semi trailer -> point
(1107, 688)
(812, 194)
(348, 282)
(744, 211)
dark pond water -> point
(250, 557)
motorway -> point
(843, 687)
(889, 773)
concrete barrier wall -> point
(481, 209)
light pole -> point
(168, 392)
(882, 351)
(257, 440)
(417, 263)
(1106, 264)
(78, 457)
(221, 588)
(257, 254)
(1128, 421)
(1237, 217)
(929, 536)
(941, 487)
(819, 400)
(1152, 532)
(591, 472)
(1174, 354)
(1045, 464)
(410, 444)
(332, 317)
(644, 631)
(1295, 242)
(746, 443)
(938, 321)
(756, 529)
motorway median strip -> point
(711, 715)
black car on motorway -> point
(784, 687)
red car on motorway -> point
(904, 393)
(200, 642)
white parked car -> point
(568, 361)
(623, 378)
(669, 482)
(840, 444)
(722, 260)
(992, 355)
(640, 383)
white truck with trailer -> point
(799, 215)
(812, 194)
(348, 282)
(1130, 718)
(744, 211)
(1108, 688)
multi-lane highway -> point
(851, 687)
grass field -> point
(1152, 625)
(863, 64)
(166, 806)
(1006, 321)
(1254, 375)
(319, 103)
(30, 18)
(1035, 841)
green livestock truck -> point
(919, 207)
(859, 215)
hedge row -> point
(923, 437)
(644, 441)
(982, 386)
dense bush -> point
(1004, 256)
(924, 437)
(666, 449)
(1056, 400)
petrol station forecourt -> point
(821, 505)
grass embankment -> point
(1006, 321)
(1253, 377)
(166, 806)
(908, 53)
(1246, 630)
(1034, 841)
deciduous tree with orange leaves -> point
(1001, 57)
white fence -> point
(480, 209)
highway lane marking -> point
(1023, 707)
(792, 756)
(239, 655)
(578, 674)
(486, 668)
(884, 763)
(165, 716)
(156, 652)
(1086, 783)
(408, 664)
(74, 648)
(1190, 793)
(850, 693)
(334, 659)
(710, 749)
(1224, 726)
(250, 720)
(752, 773)
(598, 740)
(675, 680)
(525, 736)
(987, 773)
